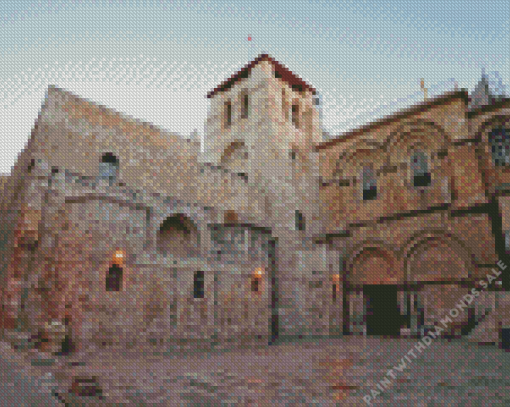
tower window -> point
(285, 110)
(245, 106)
(198, 284)
(295, 115)
(369, 184)
(228, 114)
(419, 166)
(114, 278)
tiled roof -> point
(281, 71)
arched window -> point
(295, 115)
(198, 284)
(499, 139)
(109, 167)
(235, 153)
(285, 111)
(114, 278)
(420, 168)
(369, 184)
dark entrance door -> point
(383, 316)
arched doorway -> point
(436, 272)
(373, 287)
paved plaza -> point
(324, 372)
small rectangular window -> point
(369, 182)
(228, 114)
(198, 285)
(370, 194)
(421, 174)
(422, 180)
(295, 115)
(300, 221)
(245, 106)
(114, 278)
(255, 284)
(109, 166)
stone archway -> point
(178, 236)
(435, 271)
(374, 277)
(374, 265)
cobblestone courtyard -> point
(302, 373)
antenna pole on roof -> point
(424, 89)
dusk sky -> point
(156, 60)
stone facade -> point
(128, 234)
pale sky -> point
(156, 60)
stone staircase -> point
(488, 328)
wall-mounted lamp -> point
(118, 257)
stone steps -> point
(488, 330)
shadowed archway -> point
(178, 236)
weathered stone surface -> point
(261, 235)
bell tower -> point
(258, 118)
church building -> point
(114, 232)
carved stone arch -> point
(235, 157)
(482, 133)
(178, 235)
(434, 138)
(350, 162)
(449, 251)
(360, 144)
(433, 257)
(234, 147)
(372, 263)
